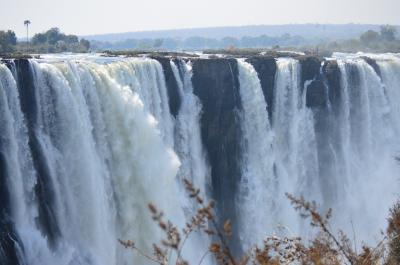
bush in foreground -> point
(325, 249)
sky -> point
(86, 17)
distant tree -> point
(158, 43)
(53, 40)
(27, 23)
(53, 35)
(39, 38)
(369, 37)
(388, 32)
(170, 43)
(145, 44)
(71, 39)
(85, 44)
(11, 37)
(8, 40)
(334, 45)
(247, 42)
(61, 46)
(229, 42)
(198, 43)
(265, 41)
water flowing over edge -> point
(86, 145)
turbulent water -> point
(87, 142)
(283, 159)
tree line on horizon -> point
(386, 40)
(201, 43)
(370, 41)
(54, 41)
(51, 41)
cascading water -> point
(282, 159)
(258, 181)
(368, 145)
(187, 133)
(363, 154)
(295, 144)
(87, 142)
(188, 146)
(103, 158)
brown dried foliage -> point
(326, 248)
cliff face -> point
(322, 83)
(266, 69)
(44, 187)
(172, 86)
(10, 243)
(215, 82)
(9, 239)
(312, 80)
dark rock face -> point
(323, 96)
(44, 187)
(172, 86)
(310, 68)
(373, 64)
(266, 70)
(216, 83)
(316, 94)
(11, 247)
(332, 75)
(313, 80)
(10, 243)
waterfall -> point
(368, 142)
(146, 78)
(88, 141)
(101, 157)
(285, 156)
(188, 146)
(187, 133)
(258, 182)
(277, 159)
(295, 143)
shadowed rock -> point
(44, 187)
(266, 70)
(373, 64)
(215, 82)
(172, 87)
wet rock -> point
(10, 243)
(216, 83)
(310, 68)
(373, 64)
(266, 70)
(332, 76)
(44, 187)
(172, 86)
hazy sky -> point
(105, 16)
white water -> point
(258, 183)
(187, 133)
(369, 138)
(112, 146)
(282, 159)
(108, 158)
(284, 156)
(189, 148)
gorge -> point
(87, 141)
